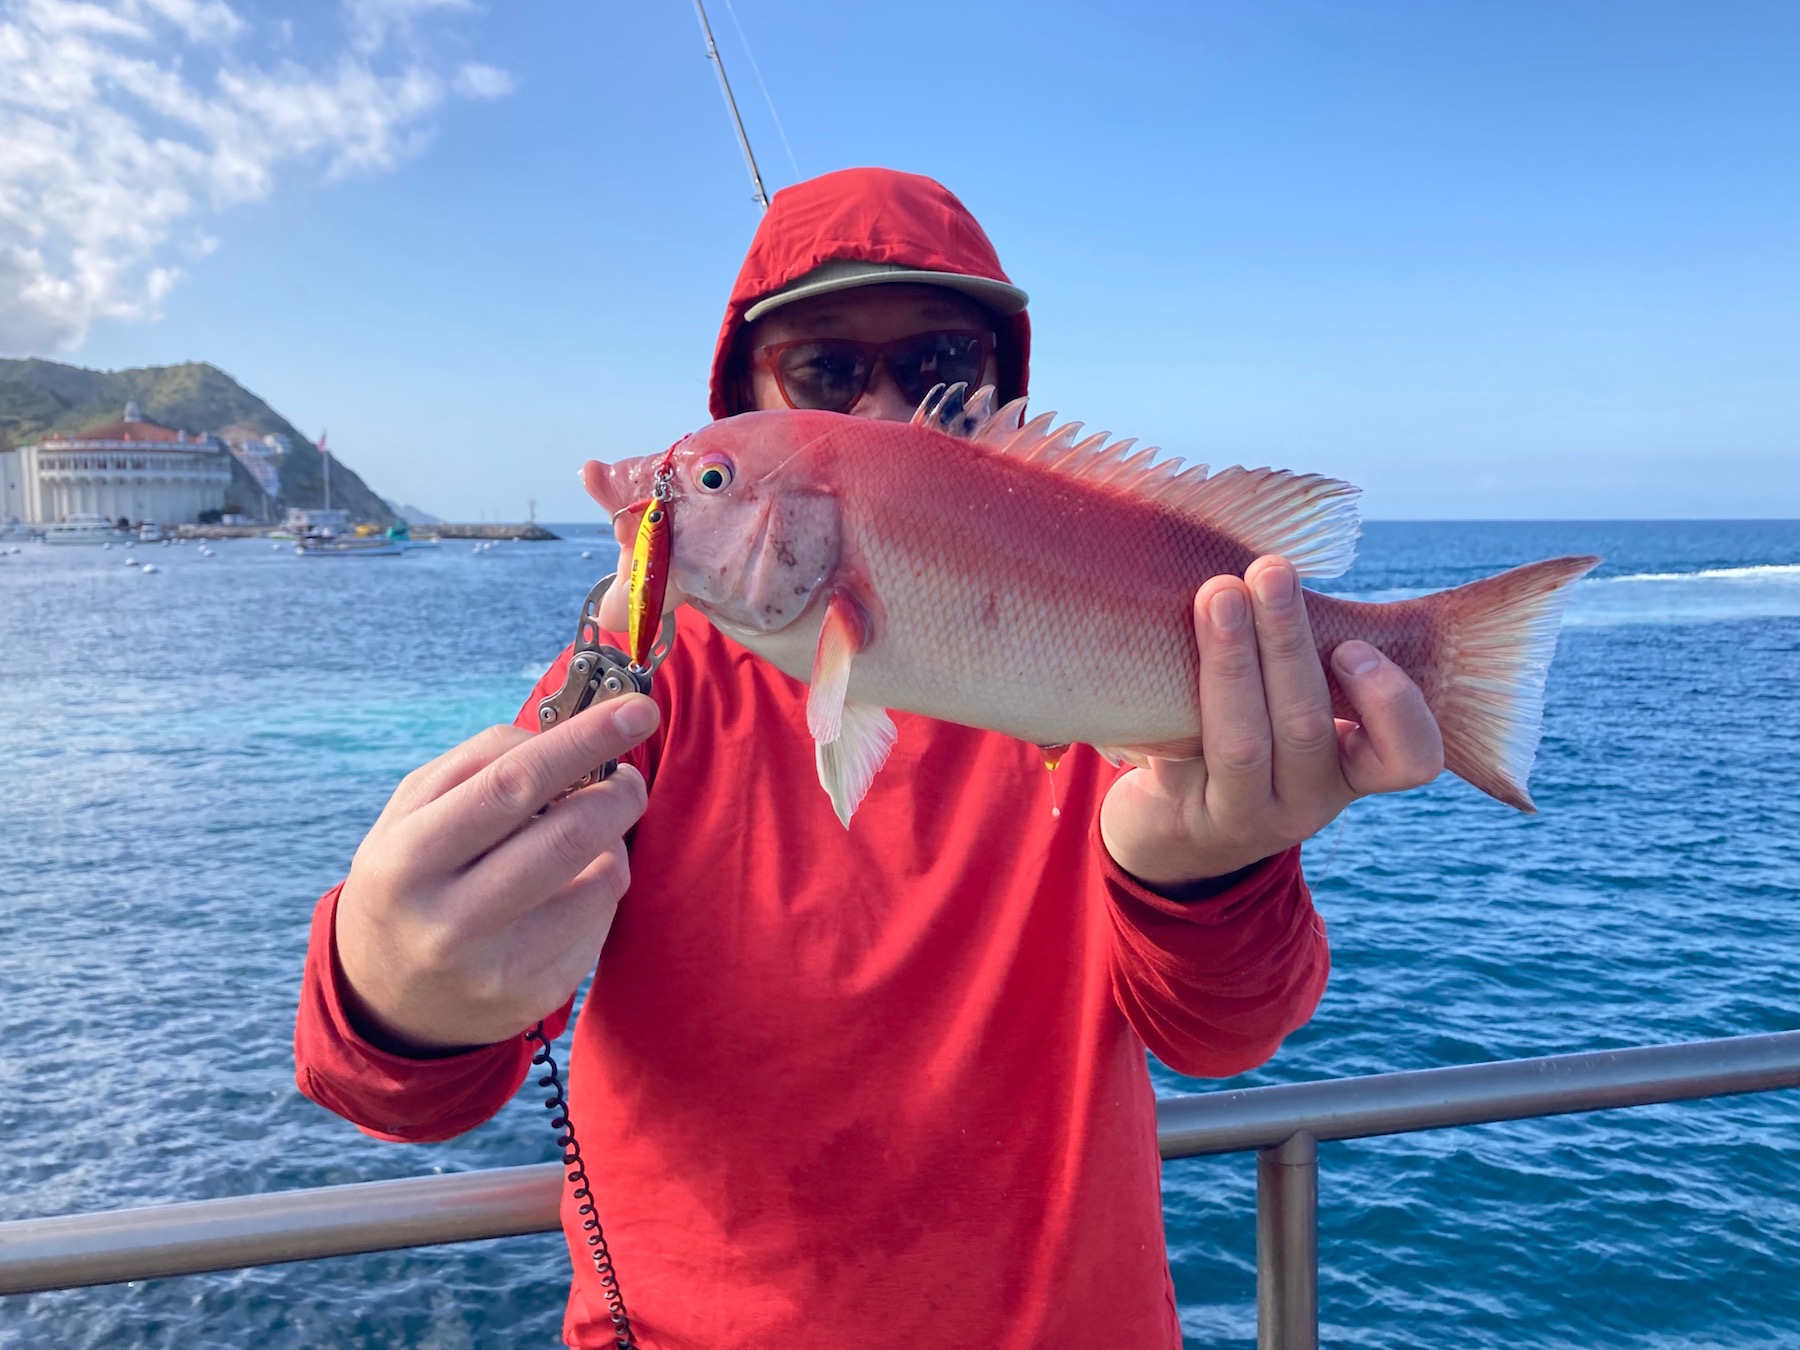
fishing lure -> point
(649, 581)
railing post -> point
(1287, 1245)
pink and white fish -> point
(1019, 577)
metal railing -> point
(1283, 1125)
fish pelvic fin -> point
(843, 634)
(1496, 637)
(848, 764)
(851, 740)
(1312, 521)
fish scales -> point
(1054, 640)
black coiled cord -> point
(558, 1105)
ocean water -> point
(187, 759)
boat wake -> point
(1762, 571)
(1705, 595)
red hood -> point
(866, 215)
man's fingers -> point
(430, 781)
(470, 819)
(1304, 768)
(1234, 716)
(556, 945)
(557, 846)
(1397, 746)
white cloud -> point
(475, 80)
(373, 23)
(126, 124)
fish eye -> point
(714, 477)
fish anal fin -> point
(843, 634)
(849, 763)
(1141, 755)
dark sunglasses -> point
(830, 374)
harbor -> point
(1194, 749)
(138, 481)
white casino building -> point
(132, 468)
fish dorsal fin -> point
(953, 410)
(1310, 520)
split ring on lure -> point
(649, 581)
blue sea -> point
(188, 758)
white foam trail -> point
(1705, 595)
(1761, 571)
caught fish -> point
(1021, 577)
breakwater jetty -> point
(529, 531)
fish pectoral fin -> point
(849, 763)
(843, 634)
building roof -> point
(119, 431)
(134, 430)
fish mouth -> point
(617, 486)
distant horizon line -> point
(1440, 520)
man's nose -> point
(882, 401)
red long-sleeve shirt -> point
(875, 1087)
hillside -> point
(39, 396)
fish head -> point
(756, 529)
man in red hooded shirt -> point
(882, 1086)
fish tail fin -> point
(1496, 638)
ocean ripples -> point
(188, 759)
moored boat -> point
(84, 527)
(349, 546)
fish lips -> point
(618, 486)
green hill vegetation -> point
(38, 397)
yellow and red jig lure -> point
(649, 581)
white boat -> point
(83, 527)
(349, 546)
(14, 528)
(152, 533)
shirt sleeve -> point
(390, 1096)
(1214, 985)
(398, 1097)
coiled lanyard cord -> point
(581, 1189)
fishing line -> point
(756, 70)
(1331, 857)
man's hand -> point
(1278, 765)
(468, 916)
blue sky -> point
(1522, 260)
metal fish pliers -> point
(598, 672)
